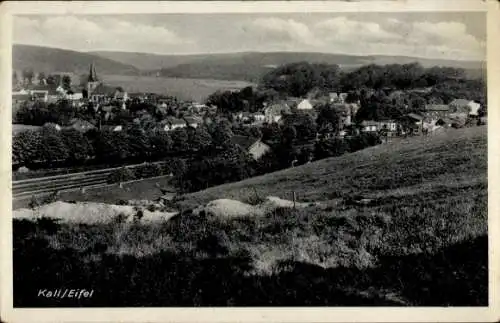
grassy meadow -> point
(422, 241)
(182, 88)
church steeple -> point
(92, 73)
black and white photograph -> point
(256, 159)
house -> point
(275, 112)
(41, 96)
(436, 111)
(370, 126)
(254, 146)
(305, 105)
(192, 121)
(334, 97)
(259, 117)
(464, 106)
(172, 123)
(390, 125)
(346, 112)
(74, 94)
(52, 125)
(122, 97)
(80, 125)
(198, 107)
(113, 128)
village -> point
(296, 156)
(165, 113)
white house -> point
(474, 108)
(259, 117)
(274, 113)
(304, 105)
(370, 126)
(172, 123)
(464, 106)
(390, 125)
(333, 97)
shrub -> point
(121, 175)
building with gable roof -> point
(253, 146)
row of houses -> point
(432, 118)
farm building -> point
(172, 123)
(254, 146)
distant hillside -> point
(250, 66)
(149, 62)
(245, 66)
(47, 60)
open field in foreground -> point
(185, 89)
(421, 242)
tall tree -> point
(41, 77)
(66, 82)
(78, 145)
(28, 75)
(180, 139)
(222, 134)
(328, 119)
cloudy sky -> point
(456, 35)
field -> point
(421, 241)
(185, 89)
(139, 189)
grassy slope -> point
(424, 243)
(450, 160)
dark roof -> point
(104, 89)
(437, 107)
(244, 142)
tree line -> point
(48, 147)
(298, 79)
(28, 77)
(384, 92)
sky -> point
(444, 35)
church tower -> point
(92, 81)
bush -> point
(121, 175)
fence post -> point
(121, 185)
(294, 198)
